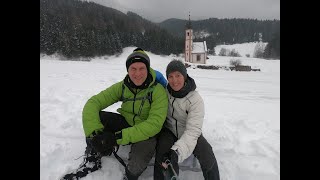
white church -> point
(195, 52)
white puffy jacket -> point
(185, 119)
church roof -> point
(199, 47)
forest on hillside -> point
(76, 28)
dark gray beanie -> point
(176, 65)
(138, 55)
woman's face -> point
(176, 80)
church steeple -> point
(188, 41)
(188, 25)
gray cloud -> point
(159, 10)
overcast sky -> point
(160, 10)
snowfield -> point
(242, 119)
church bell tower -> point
(188, 41)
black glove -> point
(172, 156)
(104, 142)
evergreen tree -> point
(259, 50)
(272, 50)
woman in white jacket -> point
(181, 134)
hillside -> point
(79, 28)
(76, 28)
(226, 31)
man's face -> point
(138, 73)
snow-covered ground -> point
(242, 49)
(242, 120)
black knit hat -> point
(138, 55)
(176, 65)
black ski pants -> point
(141, 152)
(203, 152)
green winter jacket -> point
(145, 124)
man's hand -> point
(104, 142)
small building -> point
(195, 52)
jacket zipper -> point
(134, 100)
(175, 118)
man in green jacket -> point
(140, 117)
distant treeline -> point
(230, 31)
(76, 28)
(226, 31)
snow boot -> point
(91, 163)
